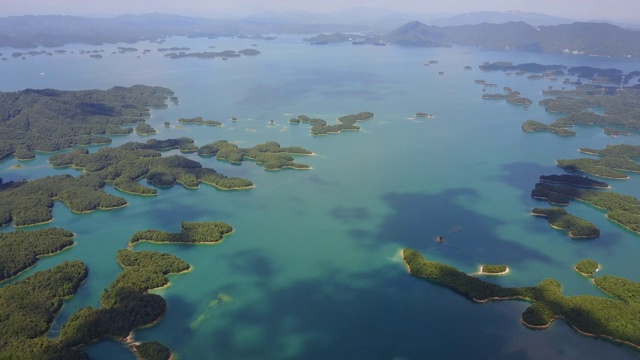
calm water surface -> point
(312, 269)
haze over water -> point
(312, 268)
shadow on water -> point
(524, 176)
(418, 220)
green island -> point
(30, 203)
(587, 267)
(613, 160)
(493, 269)
(144, 129)
(622, 107)
(200, 121)
(347, 122)
(614, 318)
(622, 209)
(191, 233)
(28, 308)
(613, 132)
(424, 115)
(559, 218)
(50, 120)
(270, 154)
(19, 250)
(525, 68)
(536, 126)
(151, 350)
(574, 180)
(511, 96)
(124, 165)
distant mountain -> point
(499, 17)
(416, 33)
(582, 38)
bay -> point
(312, 270)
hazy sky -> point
(619, 10)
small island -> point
(587, 267)
(493, 270)
(424, 115)
(270, 154)
(144, 129)
(347, 122)
(559, 218)
(191, 233)
(536, 126)
(200, 121)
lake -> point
(312, 269)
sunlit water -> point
(312, 268)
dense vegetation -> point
(145, 129)
(152, 350)
(493, 269)
(270, 154)
(561, 219)
(200, 121)
(213, 54)
(623, 209)
(20, 250)
(126, 164)
(347, 122)
(574, 180)
(51, 120)
(536, 126)
(527, 67)
(614, 318)
(126, 303)
(191, 232)
(28, 307)
(587, 267)
(31, 202)
(613, 160)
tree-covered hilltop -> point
(191, 233)
(31, 203)
(321, 127)
(28, 308)
(613, 160)
(151, 350)
(51, 120)
(145, 129)
(20, 250)
(614, 318)
(126, 303)
(270, 154)
(126, 164)
(574, 180)
(623, 209)
(199, 121)
(536, 126)
(561, 219)
(493, 269)
(511, 96)
(587, 267)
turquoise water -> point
(312, 268)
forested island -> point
(50, 120)
(226, 54)
(623, 209)
(574, 180)
(124, 165)
(20, 250)
(614, 159)
(191, 233)
(200, 121)
(493, 269)
(321, 127)
(612, 317)
(31, 202)
(28, 308)
(587, 267)
(270, 154)
(559, 218)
